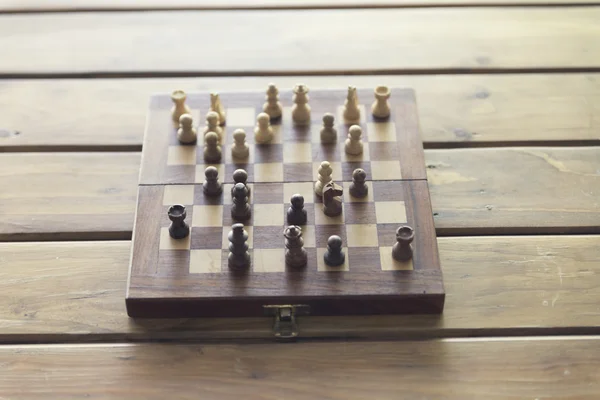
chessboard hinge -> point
(285, 327)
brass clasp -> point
(285, 327)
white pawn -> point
(263, 133)
(272, 105)
(212, 150)
(186, 133)
(212, 125)
(328, 132)
(351, 110)
(323, 177)
(239, 149)
(301, 109)
(216, 106)
(354, 144)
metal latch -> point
(285, 326)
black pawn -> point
(358, 188)
(239, 257)
(240, 176)
(178, 228)
(296, 214)
(240, 209)
(334, 256)
(212, 186)
(404, 237)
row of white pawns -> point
(272, 109)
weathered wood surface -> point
(480, 110)
(66, 291)
(421, 39)
(68, 195)
(74, 196)
(555, 368)
(120, 5)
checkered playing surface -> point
(367, 224)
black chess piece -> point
(295, 254)
(240, 210)
(296, 214)
(402, 250)
(240, 176)
(212, 186)
(358, 188)
(178, 228)
(332, 202)
(239, 258)
(334, 255)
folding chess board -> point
(190, 277)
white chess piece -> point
(212, 150)
(272, 105)
(323, 178)
(212, 125)
(328, 132)
(239, 149)
(186, 133)
(216, 106)
(179, 107)
(351, 110)
(380, 107)
(263, 132)
(354, 144)
(301, 109)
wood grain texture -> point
(99, 5)
(75, 195)
(110, 114)
(495, 286)
(138, 43)
(474, 191)
(555, 368)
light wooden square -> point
(268, 260)
(390, 212)
(268, 215)
(168, 243)
(388, 263)
(381, 132)
(277, 134)
(306, 189)
(207, 215)
(362, 235)
(340, 115)
(205, 261)
(351, 199)
(364, 156)
(268, 172)
(322, 219)
(308, 235)
(297, 152)
(200, 168)
(227, 229)
(322, 267)
(336, 166)
(386, 170)
(243, 116)
(178, 194)
(228, 198)
(181, 155)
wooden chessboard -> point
(190, 277)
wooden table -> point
(509, 100)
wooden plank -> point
(163, 42)
(139, 5)
(480, 110)
(68, 195)
(77, 196)
(66, 291)
(555, 368)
